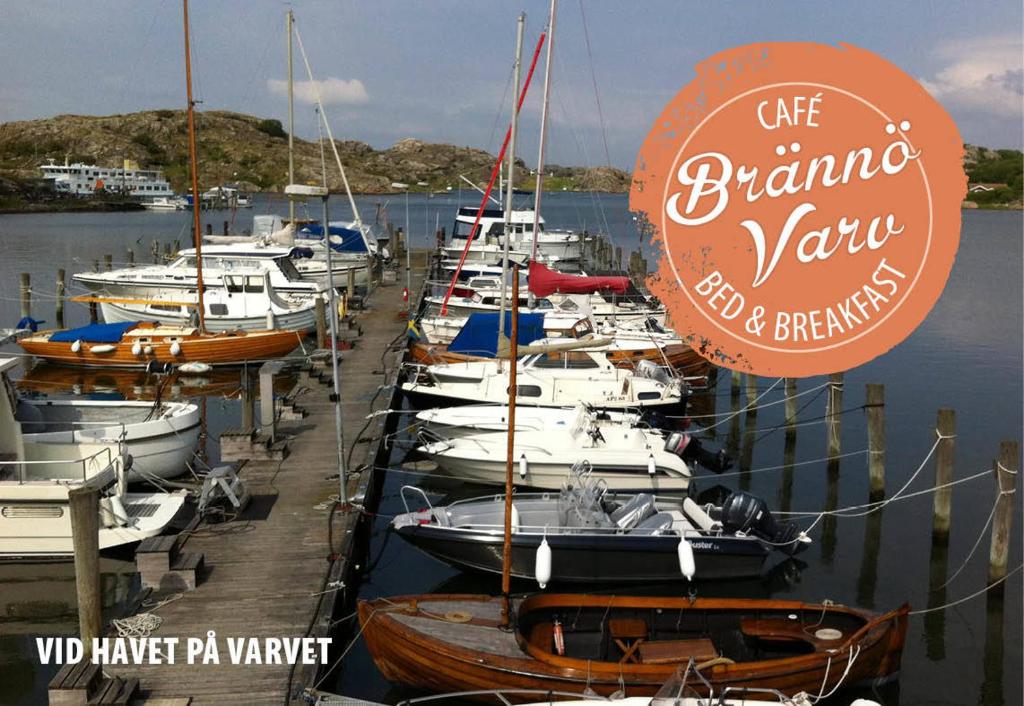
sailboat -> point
(134, 343)
(608, 644)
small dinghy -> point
(632, 644)
(595, 536)
(454, 422)
(160, 437)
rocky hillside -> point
(237, 148)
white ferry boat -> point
(489, 238)
(79, 179)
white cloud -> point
(333, 91)
(985, 75)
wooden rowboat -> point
(143, 343)
(444, 643)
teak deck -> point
(265, 568)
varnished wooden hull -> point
(228, 348)
(422, 641)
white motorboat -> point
(489, 239)
(165, 203)
(454, 422)
(160, 436)
(625, 457)
(36, 478)
(556, 379)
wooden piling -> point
(154, 250)
(875, 408)
(321, 324)
(59, 316)
(167, 252)
(943, 498)
(108, 262)
(1006, 470)
(618, 258)
(246, 399)
(350, 287)
(751, 393)
(129, 256)
(26, 294)
(85, 513)
(734, 389)
(94, 315)
(790, 405)
(835, 415)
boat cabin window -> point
(463, 229)
(648, 395)
(581, 328)
(528, 391)
(288, 268)
(566, 360)
(172, 308)
(218, 309)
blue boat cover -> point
(94, 333)
(479, 336)
(351, 240)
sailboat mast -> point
(194, 166)
(511, 173)
(539, 188)
(291, 115)
(506, 555)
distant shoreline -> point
(13, 206)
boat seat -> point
(636, 510)
(629, 635)
(676, 651)
(698, 516)
(655, 524)
(787, 630)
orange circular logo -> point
(806, 199)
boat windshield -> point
(288, 268)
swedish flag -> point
(412, 331)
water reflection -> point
(992, 661)
(935, 621)
(867, 577)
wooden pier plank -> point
(266, 568)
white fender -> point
(76, 346)
(136, 349)
(515, 518)
(652, 465)
(118, 511)
(194, 367)
(542, 563)
(687, 562)
(522, 465)
(102, 348)
(270, 320)
(148, 350)
(175, 348)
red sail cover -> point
(545, 281)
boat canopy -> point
(545, 281)
(94, 333)
(342, 239)
(479, 335)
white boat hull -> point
(303, 319)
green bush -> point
(272, 127)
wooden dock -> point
(266, 571)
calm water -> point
(966, 355)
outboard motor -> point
(743, 512)
(692, 451)
(652, 371)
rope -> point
(143, 624)
(967, 598)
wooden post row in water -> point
(321, 324)
(1006, 469)
(59, 314)
(834, 419)
(875, 408)
(26, 294)
(945, 425)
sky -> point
(440, 70)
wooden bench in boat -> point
(629, 634)
(676, 651)
(785, 629)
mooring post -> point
(177, 246)
(835, 415)
(321, 323)
(734, 389)
(790, 405)
(268, 418)
(26, 294)
(618, 258)
(875, 404)
(167, 252)
(942, 501)
(154, 250)
(350, 287)
(1006, 469)
(209, 229)
(84, 505)
(129, 256)
(108, 262)
(246, 399)
(226, 231)
(60, 298)
(751, 393)
(94, 315)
